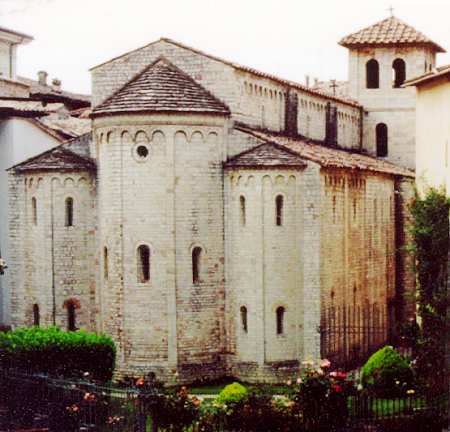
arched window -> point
(279, 210)
(398, 72)
(372, 74)
(244, 322)
(71, 317)
(34, 210)
(242, 210)
(105, 263)
(381, 132)
(280, 320)
(36, 315)
(143, 263)
(69, 212)
(196, 264)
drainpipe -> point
(52, 251)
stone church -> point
(215, 211)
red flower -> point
(337, 388)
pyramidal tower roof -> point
(161, 88)
(390, 31)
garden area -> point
(53, 380)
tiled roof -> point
(59, 158)
(37, 89)
(326, 156)
(429, 76)
(69, 126)
(390, 31)
(242, 68)
(266, 155)
(162, 87)
(26, 108)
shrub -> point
(232, 393)
(56, 352)
(387, 373)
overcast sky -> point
(289, 38)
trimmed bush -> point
(387, 373)
(56, 352)
(232, 393)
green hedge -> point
(56, 352)
(387, 373)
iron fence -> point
(350, 334)
(39, 401)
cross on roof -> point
(333, 85)
(391, 10)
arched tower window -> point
(381, 132)
(71, 317)
(372, 74)
(34, 211)
(398, 72)
(243, 215)
(69, 212)
(279, 202)
(143, 263)
(105, 263)
(36, 315)
(280, 320)
(244, 322)
(196, 264)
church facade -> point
(215, 212)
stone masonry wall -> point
(252, 99)
(393, 106)
(358, 240)
(48, 247)
(171, 201)
(269, 266)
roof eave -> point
(356, 45)
(152, 112)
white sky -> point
(289, 38)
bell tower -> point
(381, 58)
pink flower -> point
(325, 364)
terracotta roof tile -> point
(266, 155)
(162, 87)
(327, 156)
(69, 126)
(390, 31)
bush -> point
(387, 373)
(56, 352)
(232, 393)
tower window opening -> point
(34, 211)
(372, 74)
(381, 132)
(398, 72)
(105, 263)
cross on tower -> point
(334, 86)
(391, 10)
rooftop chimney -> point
(42, 78)
(316, 82)
(56, 84)
(307, 80)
